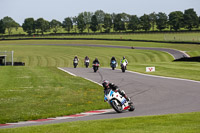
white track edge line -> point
(156, 76)
(66, 71)
(76, 76)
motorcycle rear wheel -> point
(132, 108)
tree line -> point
(105, 22)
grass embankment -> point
(191, 49)
(176, 123)
(174, 37)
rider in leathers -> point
(112, 59)
(75, 61)
(107, 86)
(124, 60)
(87, 60)
(96, 61)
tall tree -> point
(134, 23)
(55, 25)
(9, 24)
(113, 15)
(74, 21)
(67, 24)
(176, 20)
(145, 22)
(107, 25)
(29, 25)
(100, 18)
(199, 19)
(2, 27)
(94, 23)
(191, 19)
(125, 19)
(42, 25)
(152, 18)
(87, 18)
(118, 23)
(81, 23)
(161, 21)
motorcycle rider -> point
(96, 61)
(113, 59)
(75, 61)
(107, 86)
(87, 60)
(124, 60)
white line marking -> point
(66, 71)
(185, 53)
(164, 77)
(76, 76)
(22, 122)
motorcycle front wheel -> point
(116, 105)
(123, 69)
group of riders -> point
(113, 61)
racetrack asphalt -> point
(151, 95)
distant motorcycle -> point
(123, 66)
(118, 102)
(87, 63)
(113, 64)
(75, 63)
(95, 67)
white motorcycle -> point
(87, 63)
(123, 66)
(118, 102)
(75, 62)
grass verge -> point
(173, 123)
(28, 93)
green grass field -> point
(175, 123)
(191, 49)
(40, 90)
(28, 93)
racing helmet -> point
(105, 83)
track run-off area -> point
(151, 95)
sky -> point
(19, 10)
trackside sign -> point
(150, 69)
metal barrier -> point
(6, 58)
